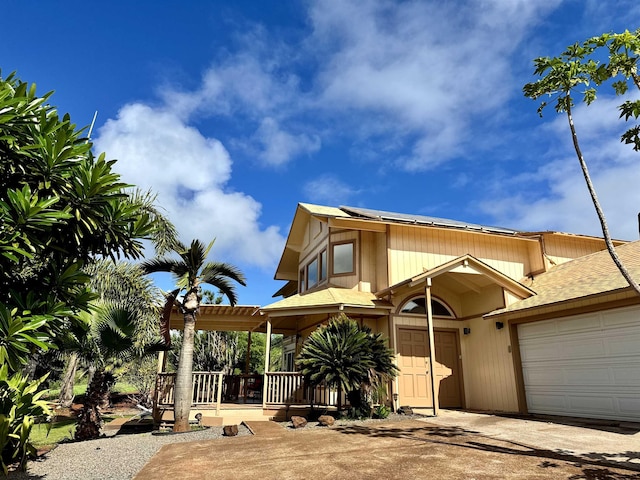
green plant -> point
(381, 411)
(18, 335)
(141, 379)
(20, 405)
(348, 357)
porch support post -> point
(267, 356)
(432, 347)
(219, 393)
(248, 359)
(162, 361)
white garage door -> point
(584, 366)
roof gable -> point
(467, 264)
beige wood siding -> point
(373, 260)
(368, 272)
(562, 248)
(489, 377)
(413, 249)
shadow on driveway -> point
(474, 440)
(396, 450)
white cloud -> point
(189, 172)
(279, 146)
(555, 196)
(423, 77)
(329, 189)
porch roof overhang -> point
(467, 273)
(245, 318)
(329, 300)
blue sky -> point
(235, 111)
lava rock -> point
(298, 422)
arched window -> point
(418, 305)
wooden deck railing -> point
(289, 388)
(281, 388)
(206, 389)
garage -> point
(583, 366)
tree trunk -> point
(184, 380)
(66, 388)
(596, 203)
(90, 419)
(90, 372)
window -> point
(312, 274)
(288, 362)
(342, 258)
(418, 305)
(323, 265)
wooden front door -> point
(414, 380)
(446, 369)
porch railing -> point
(281, 388)
(206, 388)
(289, 388)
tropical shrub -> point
(20, 406)
(381, 411)
(348, 357)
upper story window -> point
(323, 265)
(312, 274)
(343, 258)
(418, 305)
(315, 272)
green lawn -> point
(81, 389)
(62, 430)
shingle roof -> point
(328, 297)
(589, 275)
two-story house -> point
(479, 317)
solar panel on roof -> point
(421, 220)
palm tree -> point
(114, 338)
(120, 284)
(347, 357)
(191, 271)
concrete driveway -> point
(455, 445)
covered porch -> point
(224, 398)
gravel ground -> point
(111, 458)
(121, 457)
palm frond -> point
(224, 270)
(164, 234)
(114, 332)
(168, 265)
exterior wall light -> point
(466, 330)
(499, 325)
